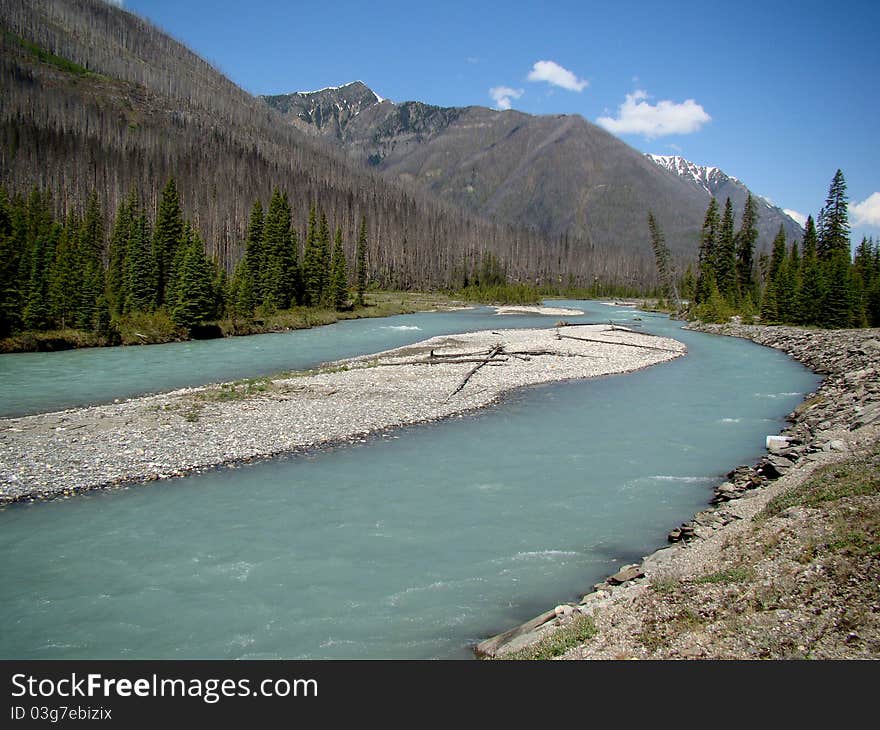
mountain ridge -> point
(720, 185)
(558, 174)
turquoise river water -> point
(413, 545)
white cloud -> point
(117, 3)
(638, 116)
(503, 96)
(797, 217)
(553, 73)
(866, 213)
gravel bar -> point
(172, 434)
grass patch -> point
(238, 390)
(579, 631)
(148, 328)
(853, 478)
(728, 575)
(665, 586)
(501, 294)
(50, 340)
(44, 56)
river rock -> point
(627, 573)
(775, 444)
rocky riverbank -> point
(785, 564)
(172, 434)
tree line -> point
(68, 273)
(814, 282)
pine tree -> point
(254, 263)
(863, 280)
(834, 229)
(167, 238)
(194, 296)
(65, 277)
(42, 238)
(361, 261)
(785, 289)
(10, 256)
(278, 254)
(725, 258)
(769, 311)
(324, 261)
(339, 278)
(90, 254)
(119, 240)
(778, 255)
(809, 296)
(837, 303)
(241, 294)
(313, 261)
(708, 243)
(662, 261)
(746, 239)
(140, 269)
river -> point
(413, 545)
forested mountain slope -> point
(95, 98)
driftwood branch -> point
(492, 353)
(560, 336)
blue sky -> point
(778, 94)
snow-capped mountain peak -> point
(707, 177)
(719, 185)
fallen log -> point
(492, 353)
(560, 336)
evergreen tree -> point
(140, 269)
(837, 302)
(777, 256)
(119, 241)
(769, 311)
(361, 261)
(809, 296)
(167, 238)
(688, 284)
(90, 253)
(65, 277)
(194, 296)
(42, 236)
(325, 263)
(10, 255)
(725, 258)
(251, 276)
(662, 261)
(278, 254)
(708, 243)
(313, 260)
(746, 239)
(241, 294)
(785, 290)
(339, 278)
(834, 229)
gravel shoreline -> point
(735, 583)
(168, 435)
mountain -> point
(97, 99)
(558, 174)
(716, 183)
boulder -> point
(627, 573)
